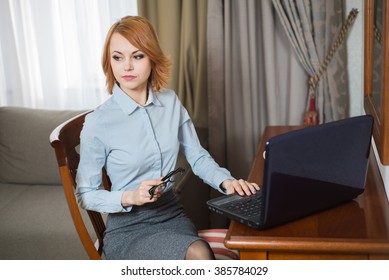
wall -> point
(355, 65)
(356, 74)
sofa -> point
(34, 217)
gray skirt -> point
(155, 231)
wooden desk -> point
(355, 230)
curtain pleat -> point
(312, 27)
(254, 80)
(50, 51)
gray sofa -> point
(34, 218)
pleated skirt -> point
(155, 231)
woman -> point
(136, 135)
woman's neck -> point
(139, 96)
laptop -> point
(306, 171)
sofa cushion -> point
(26, 154)
(36, 224)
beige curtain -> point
(181, 27)
(254, 79)
(312, 27)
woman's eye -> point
(139, 56)
(116, 57)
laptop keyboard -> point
(248, 206)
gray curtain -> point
(312, 26)
(254, 79)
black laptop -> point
(306, 171)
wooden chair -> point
(65, 140)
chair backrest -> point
(65, 140)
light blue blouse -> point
(137, 143)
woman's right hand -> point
(141, 195)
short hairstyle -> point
(141, 34)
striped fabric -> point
(215, 238)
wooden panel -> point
(315, 256)
(381, 117)
(378, 257)
(252, 255)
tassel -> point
(311, 117)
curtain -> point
(181, 27)
(254, 80)
(50, 51)
(312, 26)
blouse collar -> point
(128, 105)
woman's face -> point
(131, 67)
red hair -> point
(141, 34)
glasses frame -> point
(165, 179)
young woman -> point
(136, 135)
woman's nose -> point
(128, 65)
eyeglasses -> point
(165, 180)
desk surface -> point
(355, 230)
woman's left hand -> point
(240, 186)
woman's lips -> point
(128, 77)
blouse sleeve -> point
(203, 165)
(93, 153)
